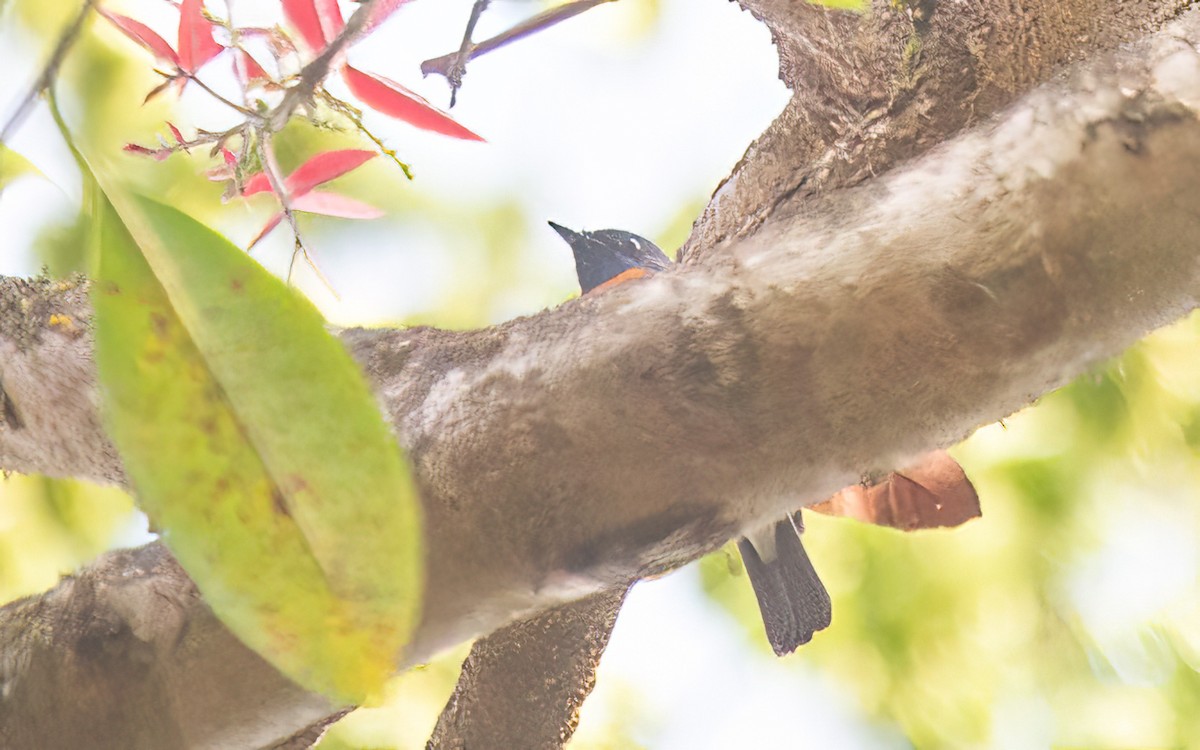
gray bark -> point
(126, 655)
(522, 686)
(826, 322)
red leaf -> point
(303, 15)
(332, 204)
(248, 69)
(225, 171)
(258, 183)
(196, 43)
(143, 35)
(390, 98)
(318, 169)
(175, 132)
(323, 168)
(274, 222)
(327, 204)
(330, 16)
(157, 154)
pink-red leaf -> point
(227, 170)
(303, 15)
(247, 68)
(318, 169)
(327, 204)
(390, 98)
(143, 35)
(323, 168)
(258, 183)
(175, 133)
(224, 172)
(332, 204)
(274, 222)
(196, 43)
(330, 16)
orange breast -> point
(626, 275)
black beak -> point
(567, 234)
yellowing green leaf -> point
(13, 165)
(257, 449)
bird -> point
(793, 601)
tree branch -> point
(522, 686)
(127, 656)
(870, 91)
(629, 433)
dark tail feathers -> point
(793, 601)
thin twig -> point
(89, 189)
(297, 248)
(46, 77)
(443, 65)
(459, 67)
(271, 170)
(312, 263)
(65, 132)
(314, 73)
(249, 113)
(354, 114)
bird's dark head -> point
(606, 254)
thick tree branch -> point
(50, 424)
(629, 433)
(522, 686)
(873, 90)
(130, 644)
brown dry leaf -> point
(933, 493)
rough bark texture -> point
(814, 334)
(872, 91)
(522, 686)
(310, 735)
(48, 421)
(126, 656)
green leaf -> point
(13, 165)
(257, 449)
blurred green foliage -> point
(12, 166)
(1073, 599)
(49, 527)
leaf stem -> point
(314, 72)
(49, 71)
(249, 113)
